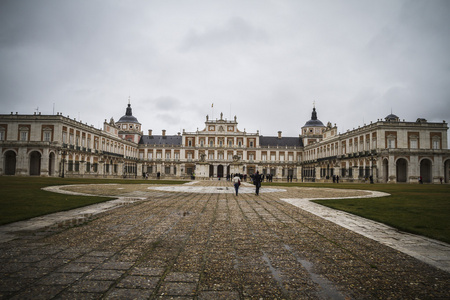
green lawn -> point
(420, 209)
(21, 198)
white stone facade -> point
(388, 150)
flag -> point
(212, 104)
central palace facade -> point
(388, 150)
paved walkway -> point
(191, 243)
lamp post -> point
(63, 153)
(372, 159)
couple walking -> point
(256, 181)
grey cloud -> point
(235, 31)
(166, 103)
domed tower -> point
(312, 131)
(392, 118)
(129, 126)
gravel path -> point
(191, 245)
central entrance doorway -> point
(220, 171)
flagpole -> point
(212, 108)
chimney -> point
(149, 132)
(163, 132)
(279, 134)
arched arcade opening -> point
(402, 170)
(35, 163)
(10, 162)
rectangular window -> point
(167, 170)
(167, 155)
(413, 144)
(150, 155)
(88, 167)
(435, 144)
(47, 136)
(189, 155)
(2, 135)
(177, 155)
(391, 143)
(24, 136)
(264, 157)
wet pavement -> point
(193, 244)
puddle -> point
(327, 288)
(275, 273)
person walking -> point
(257, 182)
(236, 182)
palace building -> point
(388, 150)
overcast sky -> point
(264, 61)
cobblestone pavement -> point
(193, 245)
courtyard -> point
(200, 241)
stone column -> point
(355, 172)
(22, 162)
(101, 167)
(437, 169)
(82, 168)
(413, 169)
(44, 162)
(336, 170)
(139, 170)
(392, 170)
(317, 173)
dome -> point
(314, 122)
(392, 118)
(128, 117)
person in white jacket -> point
(236, 182)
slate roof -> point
(282, 142)
(161, 140)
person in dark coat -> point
(257, 182)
